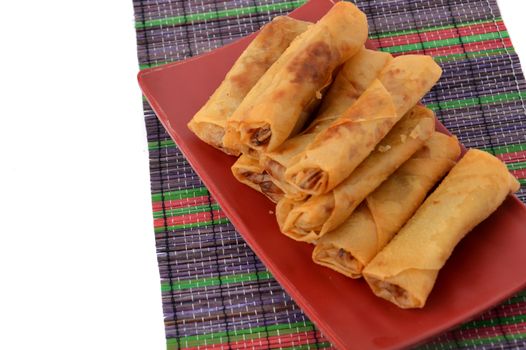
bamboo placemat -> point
(216, 292)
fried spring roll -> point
(405, 271)
(373, 224)
(279, 104)
(337, 151)
(209, 123)
(248, 171)
(310, 219)
(352, 80)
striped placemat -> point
(216, 292)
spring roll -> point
(373, 224)
(209, 123)
(352, 80)
(337, 151)
(405, 271)
(279, 104)
(247, 170)
(310, 219)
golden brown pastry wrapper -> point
(355, 76)
(309, 220)
(247, 170)
(338, 150)
(405, 271)
(352, 80)
(279, 104)
(210, 121)
(373, 224)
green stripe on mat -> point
(469, 102)
(191, 225)
(212, 15)
(471, 55)
(153, 65)
(185, 211)
(508, 149)
(215, 281)
(432, 29)
(446, 42)
(270, 328)
(475, 342)
(211, 338)
(522, 181)
(516, 166)
(248, 336)
(154, 145)
(180, 194)
(519, 297)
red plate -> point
(485, 268)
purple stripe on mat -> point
(402, 14)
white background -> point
(78, 268)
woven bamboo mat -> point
(216, 292)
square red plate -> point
(486, 267)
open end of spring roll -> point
(210, 121)
(401, 296)
(339, 149)
(330, 252)
(312, 218)
(280, 103)
(374, 223)
(247, 170)
(275, 163)
(405, 271)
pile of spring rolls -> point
(334, 134)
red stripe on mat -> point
(181, 203)
(274, 342)
(520, 174)
(512, 157)
(456, 49)
(483, 28)
(189, 218)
